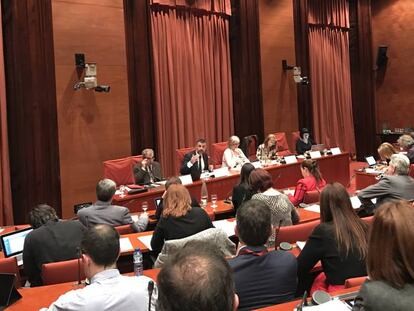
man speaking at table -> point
(196, 159)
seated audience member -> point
(394, 185)
(108, 289)
(312, 180)
(51, 240)
(390, 260)
(103, 212)
(267, 150)
(171, 181)
(282, 210)
(339, 242)
(179, 219)
(196, 159)
(241, 192)
(233, 156)
(254, 267)
(406, 143)
(304, 143)
(385, 151)
(196, 278)
(147, 171)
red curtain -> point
(6, 210)
(330, 73)
(192, 75)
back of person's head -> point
(245, 172)
(312, 166)
(260, 180)
(405, 141)
(303, 130)
(386, 150)
(196, 278)
(401, 163)
(254, 223)
(101, 244)
(391, 248)
(41, 214)
(105, 190)
(350, 230)
(177, 201)
(172, 181)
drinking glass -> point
(144, 207)
(214, 200)
(122, 191)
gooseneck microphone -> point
(79, 265)
(150, 290)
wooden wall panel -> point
(31, 104)
(277, 42)
(93, 127)
(246, 68)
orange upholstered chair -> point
(282, 144)
(299, 232)
(355, 281)
(311, 197)
(121, 170)
(295, 136)
(9, 265)
(217, 150)
(62, 272)
(124, 229)
(180, 153)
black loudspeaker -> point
(80, 60)
(382, 58)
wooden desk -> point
(333, 168)
(42, 296)
(363, 180)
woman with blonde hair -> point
(390, 260)
(385, 151)
(267, 150)
(179, 219)
(233, 156)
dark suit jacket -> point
(54, 241)
(185, 170)
(143, 177)
(264, 280)
(241, 193)
(378, 295)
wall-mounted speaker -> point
(382, 58)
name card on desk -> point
(313, 208)
(146, 240)
(125, 244)
(315, 154)
(221, 172)
(336, 151)
(291, 159)
(186, 179)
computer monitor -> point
(13, 242)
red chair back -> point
(295, 136)
(61, 272)
(355, 281)
(299, 232)
(217, 150)
(283, 147)
(121, 170)
(9, 265)
(249, 146)
(311, 197)
(124, 229)
(180, 153)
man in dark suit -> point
(147, 171)
(262, 278)
(103, 212)
(50, 241)
(196, 159)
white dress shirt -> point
(234, 158)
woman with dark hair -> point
(390, 260)
(304, 143)
(312, 180)
(339, 242)
(241, 192)
(283, 212)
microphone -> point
(277, 232)
(79, 265)
(150, 290)
(303, 303)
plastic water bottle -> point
(204, 194)
(138, 263)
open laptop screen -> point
(371, 160)
(13, 242)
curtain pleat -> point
(6, 209)
(192, 76)
(330, 73)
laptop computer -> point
(13, 243)
(371, 161)
(8, 292)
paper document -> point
(257, 164)
(313, 208)
(146, 240)
(289, 191)
(226, 226)
(335, 151)
(1, 230)
(300, 244)
(221, 172)
(333, 305)
(372, 171)
(161, 182)
(356, 203)
(186, 179)
(135, 218)
(125, 244)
